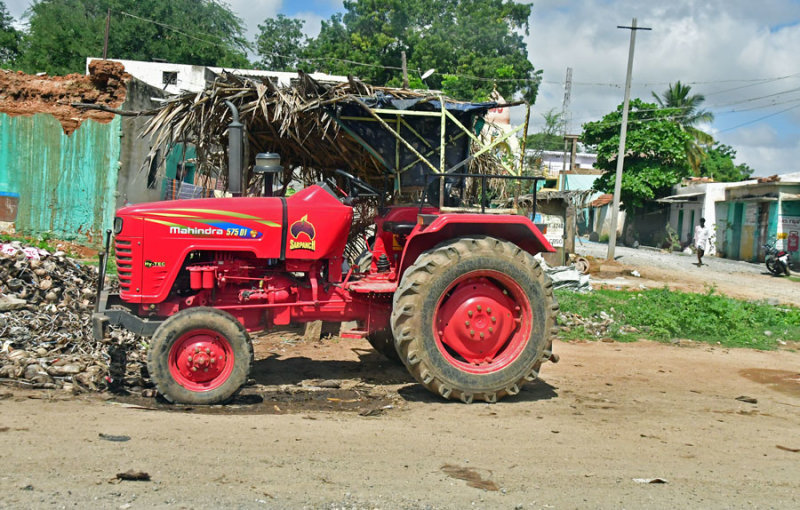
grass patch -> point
(662, 314)
(43, 242)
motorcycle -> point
(777, 261)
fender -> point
(515, 229)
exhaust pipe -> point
(235, 168)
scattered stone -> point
(650, 480)
(747, 400)
(113, 438)
(136, 476)
(8, 303)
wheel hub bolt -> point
(488, 310)
(194, 369)
(196, 349)
(466, 323)
(494, 319)
(190, 359)
(479, 308)
(469, 312)
(213, 360)
(208, 351)
(491, 330)
(472, 332)
(481, 335)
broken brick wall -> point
(62, 162)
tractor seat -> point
(402, 228)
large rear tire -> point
(473, 318)
(200, 356)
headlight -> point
(117, 225)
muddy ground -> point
(331, 424)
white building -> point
(178, 78)
(699, 198)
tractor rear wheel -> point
(473, 318)
(200, 356)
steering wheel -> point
(354, 184)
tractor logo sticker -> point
(302, 235)
(150, 263)
(212, 228)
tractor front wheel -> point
(200, 356)
(473, 318)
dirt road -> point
(679, 271)
(334, 425)
(605, 415)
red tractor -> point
(457, 297)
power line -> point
(759, 119)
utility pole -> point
(623, 130)
(564, 113)
(405, 70)
(105, 40)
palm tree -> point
(689, 114)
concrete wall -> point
(602, 221)
(133, 170)
(66, 184)
(788, 228)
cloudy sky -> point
(741, 54)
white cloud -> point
(713, 45)
(313, 23)
(254, 12)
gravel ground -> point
(679, 271)
(646, 256)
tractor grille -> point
(124, 264)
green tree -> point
(686, 110)
(719, 165)
(281, 43)
(10, 38)
(655, 155)
(63, 33)
(549, 138)
(474, 45)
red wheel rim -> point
(482, 322)
(201, 360)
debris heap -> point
(46, 304)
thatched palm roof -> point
(298, 122)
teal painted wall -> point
(66, 184)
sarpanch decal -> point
(303, 227)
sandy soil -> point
(605, 415)
(331, 424)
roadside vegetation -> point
(664, 315)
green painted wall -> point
(66, 184)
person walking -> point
(701, 236)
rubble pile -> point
(599, 325)
(46, 304)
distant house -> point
(742, 215)
(178, 78)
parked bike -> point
(778, 261)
